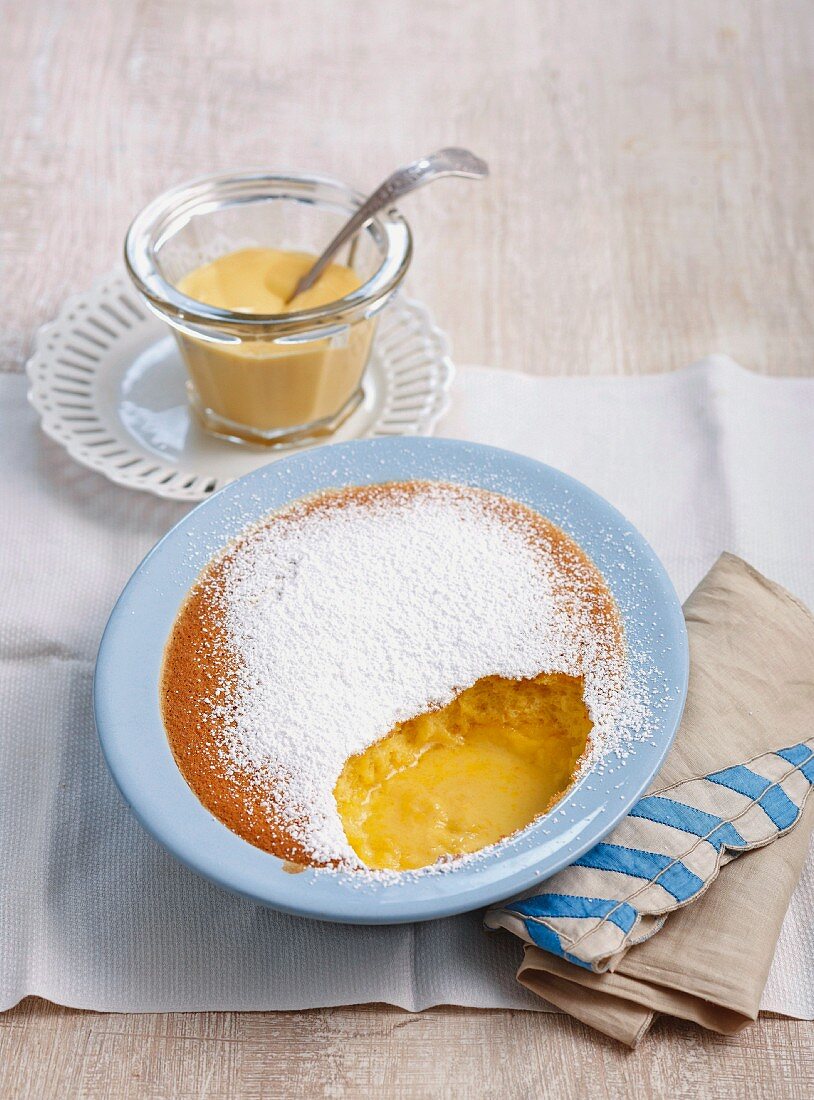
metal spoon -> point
(446, 162)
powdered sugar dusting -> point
(346, 615)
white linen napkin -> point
(94, 914)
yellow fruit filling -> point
(460, 778)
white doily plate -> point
(108, 384)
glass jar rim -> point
(162, 215)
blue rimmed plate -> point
(126, 688)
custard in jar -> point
(219, 259)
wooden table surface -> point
(652, 200)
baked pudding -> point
(390, 677)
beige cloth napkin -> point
(751, 691)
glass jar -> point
(274, 379)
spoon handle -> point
(446, 162)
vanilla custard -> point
(458, 779)
(261, 280)
(256, 387)
(392, 676)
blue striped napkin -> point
(664, 854)
(728, 796)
